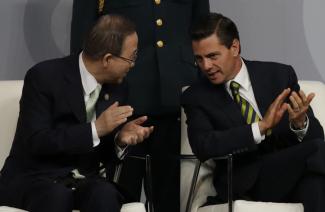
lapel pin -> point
(106, 96)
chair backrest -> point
(10, 93)
(204, 185)
(318, 103)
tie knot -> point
(91, 102)
(234, 86)
(95, 93)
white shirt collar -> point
(88, 81)
(242, 77)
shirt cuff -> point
(120, 151)
(258, 138)
(96, 139)
(300, 132)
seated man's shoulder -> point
(268, 64)
(52, 68)
(197, 91)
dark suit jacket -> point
(216, 126)
(52, 135)
(159, 74)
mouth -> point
(213, 74)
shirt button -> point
(159, 22)
(160, 43)
(157, 2)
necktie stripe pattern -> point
(246, 109)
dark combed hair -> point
(225, 29)
(107, 36)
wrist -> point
(263, 128)
(301, 124)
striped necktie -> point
(246, 109)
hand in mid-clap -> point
(111, 118)
(299, 104)
(133, 133)
(275, 112)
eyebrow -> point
(212, 54)
(208, 55)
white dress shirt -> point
(246, 91)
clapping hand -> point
(299, 104)
(133, 133)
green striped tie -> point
(247, 110)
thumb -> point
(140, 120)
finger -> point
(303, 96)
(120, 121)
(123, 115)
(294, 104)
(134, 139)
(113, 106)
(140, 120)
(280, 99)
(290, 110)
(121, 110)
(297, 99)
(146, 132)
(282, 109)
(310, 97)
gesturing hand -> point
(111, 118)
(275, 112)
(298, 107)
(133, 133)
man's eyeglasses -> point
(130, 61)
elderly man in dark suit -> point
(255, 111)
(165, 64)
(73, 123)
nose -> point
(206, 64)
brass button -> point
(157, 1)
(160, 43)
(159, 22)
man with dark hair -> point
(165, 65)
(73, 124)
(257, 112)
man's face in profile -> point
(215, 60)
(121, 64)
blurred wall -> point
(288, 31)
(32, 31)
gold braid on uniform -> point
(100, 6)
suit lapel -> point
(74, 89)
(227, 105)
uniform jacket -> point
(161, 71)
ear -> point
(235, 47)
(106, 59)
